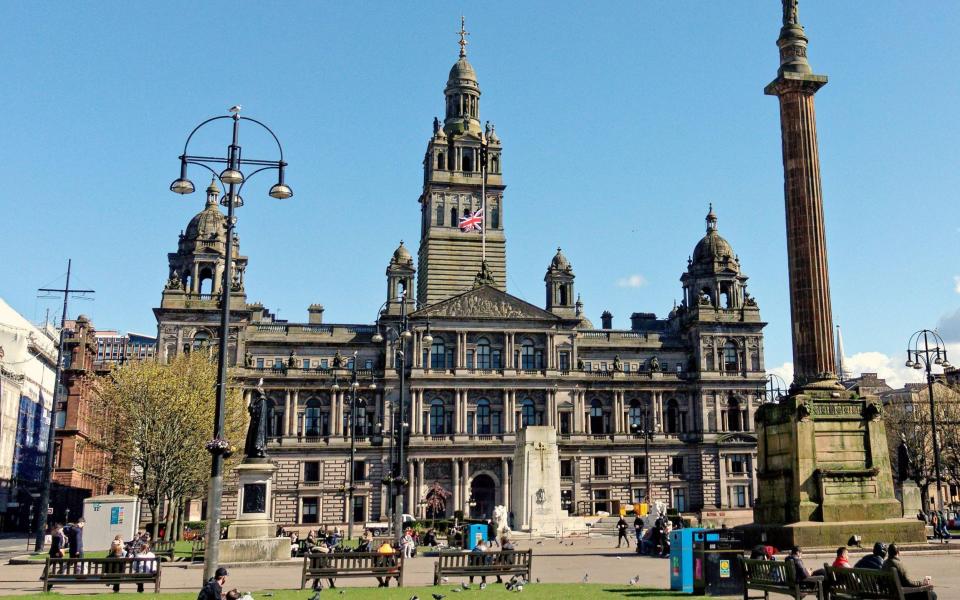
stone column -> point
(466, 487)
(505, 487)
(411, 488)
(287, 409)
(455, 482)
(294, 409)
(722, 478)
(336, 412)
(421, 484)
(811, 313)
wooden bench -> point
(199, 549)
(849, 584)
(61, 571)
(475, 564)
(778, 577)
(333, 565)
(164, 549)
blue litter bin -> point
(681, 559)
(475, 534)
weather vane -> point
(463, 36)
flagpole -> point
(483, 198)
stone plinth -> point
(536, 484)
(910, 499)
(254, 503)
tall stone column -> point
(421, 485)
(287, 409)
(455, 482)
(465, 497)
(505, 477)
(810, 309)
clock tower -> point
(453, 186)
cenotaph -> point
(823, 463)
(536, 485)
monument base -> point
(271, 549)
(249, 529)
(813, 534)
(910, 499)
(557, 526)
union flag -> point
(473, 222)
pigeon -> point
(540, 542)
(444, 579)
(342, 592)
(619, 558)
(483, 585)
(519, 588)
(634, 581)
(414, 597)
(538, 580)
(586, 577)
(455, 590)
(464, 586)
(438, 596)
(316, 595)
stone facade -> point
(495, 365)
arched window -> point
(673, 416)
(528, 356)
(201, 339)
(467, 160)
(205, 275)
(495, 164)
(440, 213)
(563, 295)
(483, 354)
(734, 415)
(528, 413)
(441, 161)
(730, 356)
(311, 419)
(437, 420)
(483, 417)
(438, 354)
(454, 222)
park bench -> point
(334, 565)
(64, 571)
(503, 563)
(164, 550)
(198, 550)
(850, 584)
(778, 577)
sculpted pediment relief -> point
(485, 302)
(737, 438)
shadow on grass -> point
(632, 592)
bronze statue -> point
(790, 16)
(617, 364)
(255, 446)
(338, 360)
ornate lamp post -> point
(644, 428)
(924, 350)
(403, 335)
(233, 180)
(354, 384)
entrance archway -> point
(483, 493)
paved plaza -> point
(598, 558)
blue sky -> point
(620, 123)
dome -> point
(560, 262)
(462, 69)
(713, 247)
(402, 255)
(208, 223)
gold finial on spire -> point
(463, 36)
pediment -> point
(486, 302)
(737, 438)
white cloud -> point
(890, 368)
(956, 283)
(785, 372)
(632, 281)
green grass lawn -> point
(180, 549)
(535, 591)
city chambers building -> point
(662, 411)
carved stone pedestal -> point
(252, 536)
(536, 485)
(824, 472)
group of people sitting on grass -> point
(883, 557)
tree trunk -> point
(169, 521)
(154, 518)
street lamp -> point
(233, 181)
(354, 384)
(774, 389)
(402, 334)
(924, 350)
(645, 429)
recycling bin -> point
(681, 559)
(476, 533)
(716, 569)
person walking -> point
(74, 535)
(58, 541)
(622, 532)
(638, 528)
(893, 563)
(492, 533)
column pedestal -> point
(251, 537)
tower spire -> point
(463, 33)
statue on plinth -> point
(255, 445)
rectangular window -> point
(310, 512)
(311, 472)
(324, 363)
(676, 465)
(470, 423)
(359, 470)
(359, 509)
(679, 499)
(350, 363)
(566, 500)
(738, 464)
(368, 364)
(640, 466)
(566, 468)
(600, 466)
(603, 367)
(588, 367)
(664, 366)
(564, 361)
(601, 500)
(277, 363)
(306, 363)
(495, 423)
(626, 367)
(740, 496)
(469, 359)
(639, 495)
(495, 360)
